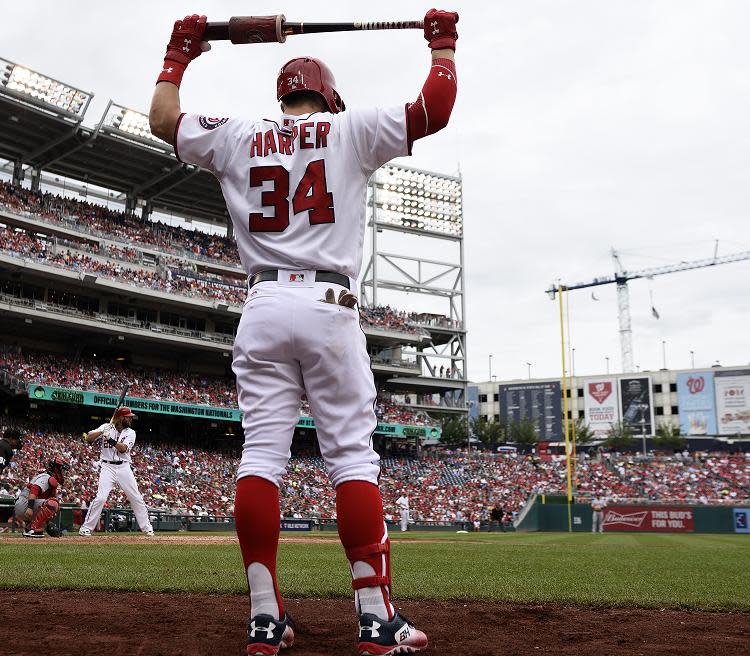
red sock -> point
(256, 516)
(361, 526)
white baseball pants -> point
(290, 342)
(123, 476)
(404, 519)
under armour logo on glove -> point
(374, 633)
(186, 47)
(448, 75)
(267, 629)
(440, 29)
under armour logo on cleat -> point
(267, 629)
(186, 47)
(374, 633)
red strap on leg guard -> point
(367, 551)
(372, 554)
(370, 582)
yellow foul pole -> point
(566, 423)
(573, 396)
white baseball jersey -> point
(126, 436)
(117, 474)
(403, 502)
(296, 187)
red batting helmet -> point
(123, 412)
(309, 74)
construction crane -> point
(621, 277)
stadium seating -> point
(442, 487)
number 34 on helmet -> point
(309, 74)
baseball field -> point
(498, 593)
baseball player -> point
(37, 504)
(295, 186)
(403, 503)
(117, 440)
(597, 514)
(12, 441)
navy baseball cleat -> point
(379, 637)
(265, 635)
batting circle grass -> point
(701, 572)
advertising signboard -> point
(636, 403)
(733, 402)
(695, 397)
(540, 402)
(82, 397)
(662, 519)
(600, 405)
(742, 520)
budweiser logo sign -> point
(631, 520)
(600, 391)
(667, 519)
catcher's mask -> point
(57, 467)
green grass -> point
(709, 572)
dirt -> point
(145, 624)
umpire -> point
(11, 442)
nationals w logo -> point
(600, 391)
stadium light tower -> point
(429, 205)
(42, 91)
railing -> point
(159, 328)
(71, 223)
(123, 281)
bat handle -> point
(217, 31)
(248, 29)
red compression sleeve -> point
(431, 111)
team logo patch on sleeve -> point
(211, 123)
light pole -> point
(643, 407)
(528, 367)
(692, 359)
(664, 354)
(607, 360)
(573, 362)
(490, 378)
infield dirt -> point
(146, 624)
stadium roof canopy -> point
(42, 128)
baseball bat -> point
(264, 29)
(120, 401)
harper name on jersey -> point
(306, 135)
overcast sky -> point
(580, 126)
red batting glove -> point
(440, 29)
(185, 45)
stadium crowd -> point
(105, 222)
(173, 280)
(442, 486)
(178, 241)
(107, 374)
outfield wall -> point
(632, 518)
